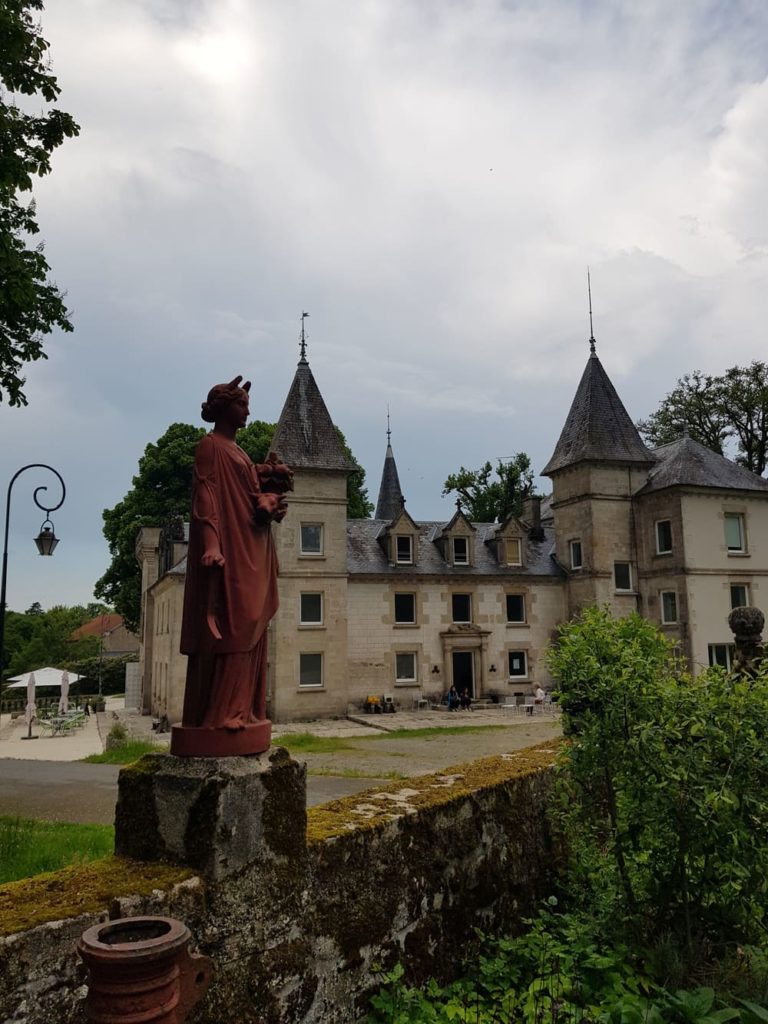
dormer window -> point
(513, 551)
(460, 551)
(404, 550)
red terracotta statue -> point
(231, 586)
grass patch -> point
(31, 847)
(307, 743)
(354, 773)
(432, 733)
(132, 750)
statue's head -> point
(222, 396)
(746, 622)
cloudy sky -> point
(430, 179)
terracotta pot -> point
(141, 970)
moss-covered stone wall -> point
(405, 872)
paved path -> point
(72, 791)
(43, 778)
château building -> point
(402, 607)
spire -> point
(592, 351)
(303, 341)
(305, 436)
(598, 427)
(391, 500)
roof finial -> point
(458, 504)
(389, 432)
(591, 331)
(303, 339)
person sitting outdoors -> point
(466, 700)
(454, 700)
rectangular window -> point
(518, 664)
(722, 655)
(576, 562)
(461, 607)
(405, 608)
(311, 610)
(668, 606)
(734, 532)
(460, 551)
(310, 670)
(405, 667)
(311, 538)
(664, 537)
(513, 551)
(622, 575)
(404, 550)
(739, 595)
(515, 608)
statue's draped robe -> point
(226, 677)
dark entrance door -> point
(463, 672)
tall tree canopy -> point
(715, 410)
(161, 490)
(37, 638)
(30, 306)
(488, 495)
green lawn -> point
(432, 733)
(126, 752)
(30, 847)
(307, 743)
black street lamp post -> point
(46, 540)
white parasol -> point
(43, 677)
(64, 699)
(31, 708)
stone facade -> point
(402, 609)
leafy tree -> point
(30, 306)
(663, 788)
(358, 504)
(714, 410)
(161, 490)
(486, 499)
(38, 638)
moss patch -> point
(376, 807)
(80, 889)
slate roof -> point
(390, 496)
(305, 437)
(598, 427)
(686, 463)
(365, 556)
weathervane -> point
(303, 338)
(591, 331)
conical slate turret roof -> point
(390, 495)
(305, 437)
(598, 427)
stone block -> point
(216, 815)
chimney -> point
(536, 531)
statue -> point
(747, 628)
(231, 586)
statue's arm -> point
(205, 504)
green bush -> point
(663, 788)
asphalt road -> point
(73, 791)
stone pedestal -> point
(217, 815)
(190, 741)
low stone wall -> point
(405, 872)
